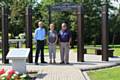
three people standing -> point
(64, 37)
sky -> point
(39, 0)
(116, 3)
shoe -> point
(54, 62)
(36, 64)
(62, 62)
(50, 62)
(44, 62)
(67, 63)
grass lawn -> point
(90, 50)
(105, 74)
(46, 51)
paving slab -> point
(72, 71)
(60, 73)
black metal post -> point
(105, 33)
(5, 46)
(80, 34)
(29, 32)
(49, 13)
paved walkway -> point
(73, 71)
(60, 73)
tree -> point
(92, 10)
(17, 14)
(92, 16)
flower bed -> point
(11, 74)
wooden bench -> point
(85, 51)
(98, 51)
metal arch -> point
(67, 6)
(80, 18)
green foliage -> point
(92, 10)
(17, 14)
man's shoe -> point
(36, 64)
(44, 62)
(67, 63)
(62, 62)
(54, 62)
(50, 62)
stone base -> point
(19, 65)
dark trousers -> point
(40, 49)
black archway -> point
(80, 31)
(80, 20)
(5, 46)
(58, 7)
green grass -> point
(105, 74)
(91, 50)
(46, 51)
(116, 51)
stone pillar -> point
(105, 33)
(29, 32)
(5, 44)
(80, 34)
